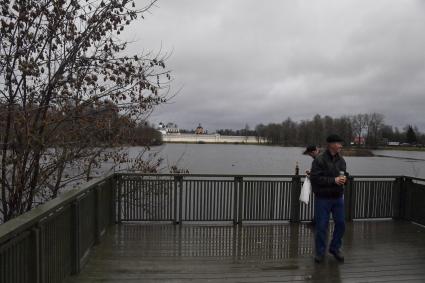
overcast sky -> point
(250, 61)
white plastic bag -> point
(305, 191)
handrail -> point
(205, 175)
(247, 175)
(26, 220)
(22, 222)
(81, 216)
(415, 178)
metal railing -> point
(54, 240)
(184, 198)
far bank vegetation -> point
(359, 131)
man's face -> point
(335, 147)
(314, 153)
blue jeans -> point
(323, 208)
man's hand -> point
(340, 180)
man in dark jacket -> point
(313, 151)
(328, 176)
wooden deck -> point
(376, 251)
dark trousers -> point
(323, 208)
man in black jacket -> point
(313, 151)
(328, 176)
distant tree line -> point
(362, 129)
(102, 125)
(247, 131)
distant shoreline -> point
(347, 151)
(401, 148)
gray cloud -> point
(244, 61)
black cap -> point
(309, 149)
(334, 138)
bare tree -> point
(374, 127)
(359, 125)
(61, 63)
(246, 132)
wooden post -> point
(295, 199)
(402, 198)
(119, 196)
(113, 199)
(175, 200)
(237, 200)
(97, 214)
(75, 268)
(349, 199)
(397, 198)
(178, 199)
(241, 199)
(42, 252)
(272, 200)
(37, 259)
(407, 198)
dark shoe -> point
(319, 258)
(338, 255)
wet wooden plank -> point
(376, 251)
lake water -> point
(257, 159)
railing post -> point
(178, 198)
(397, 198)
(113, 198)
(98, 214)
(349, 199)
(235, 201)
(238, 200)
(119, 196)
(272, 200)
(407, 198)
(241, 199)
(38, 264)
(75, 208)
(295, 199)
(175, 200)
(42, 252)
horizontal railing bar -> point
(182, 220)
(203, 175)
(247, 175)
(30, 218)
(415, 178)
(376, 177)
(14, 240)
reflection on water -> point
(256, 159)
